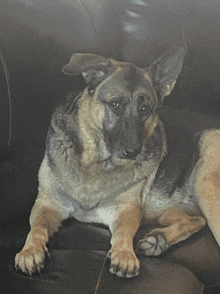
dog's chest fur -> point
(84, 189)
(89, 186)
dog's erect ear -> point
(93, 67)
(165, 70)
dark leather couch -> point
(37, 38)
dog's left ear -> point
(165, 70)
(93, 67)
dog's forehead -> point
(134, 77)
(126, 80)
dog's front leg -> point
(44, 221)
(124, 262)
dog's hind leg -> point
(44, 221)
(207, 180)
(178, 227)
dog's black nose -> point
(130, 154)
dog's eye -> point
(114, 104)
(118, 104)
(144, 108)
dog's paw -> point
(152, 245)
(31, 260)
(124, 263)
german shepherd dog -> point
(107, 161)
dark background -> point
(38, 37)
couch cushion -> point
(199, 253)
(77, 271)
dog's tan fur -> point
(99, 186)
(44, 223)
(208, 179)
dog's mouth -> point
(117, 150)
(124, 145)
(127, 154)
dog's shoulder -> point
(63, 132)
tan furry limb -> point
(208, 180)
(44, 222)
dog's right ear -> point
(94, 68)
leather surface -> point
(77, 255)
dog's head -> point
(128, 95)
